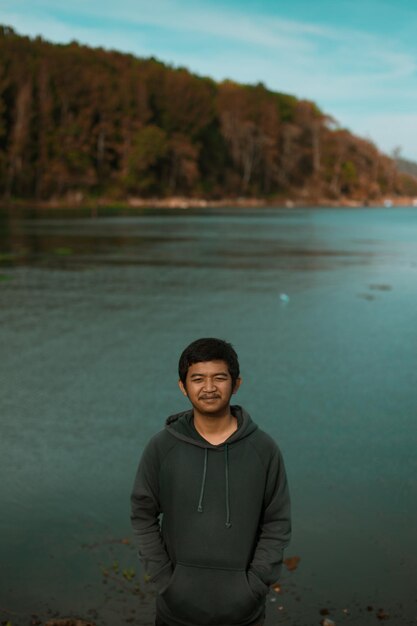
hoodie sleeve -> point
(275, 528)
(145, 511)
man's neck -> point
(215, 428)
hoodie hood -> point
(181, 425)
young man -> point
(219, 483)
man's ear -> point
(237, 384)
(182, 387)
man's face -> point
(209, 387)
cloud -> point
(326, 50)
(176, 17)
(308, 50)
(392, 129)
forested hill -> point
(96, 123)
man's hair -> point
(209, 349)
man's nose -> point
(209, 385)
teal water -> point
(321, 305)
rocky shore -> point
(78, 200)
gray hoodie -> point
(218, 544)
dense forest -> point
(90, 123)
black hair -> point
(209, 349)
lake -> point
(321, 306)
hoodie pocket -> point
(206, 596)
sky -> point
(357, 59)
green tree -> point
(146, 160)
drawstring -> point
(226, 460)
(203, 482)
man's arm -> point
(145, 510)
(275, 529)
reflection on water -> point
(262, 239)
(94, 312)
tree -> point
(250, 125)
(146, 159)
(183, 167)
(104, 123)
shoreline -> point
(78, 201)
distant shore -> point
(78, 200)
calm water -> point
(321, 306)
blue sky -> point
(356, 59)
